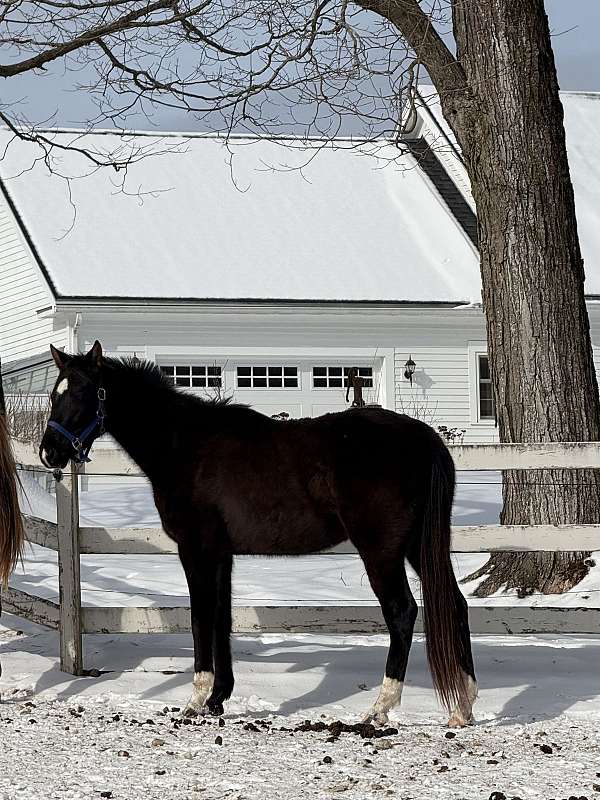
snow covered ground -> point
(535, 736)
(64, 737)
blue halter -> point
(95, 427)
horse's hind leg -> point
(399, 609)
(462, 714)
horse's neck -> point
(137, 417)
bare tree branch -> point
(319, 67)
(417, 28)
(126, 22)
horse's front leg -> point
(223, 686)
(201, 573)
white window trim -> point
(375, 372)
(206, 377)
(267, 364)
(380, 358)
(169, 359)
(476, 349)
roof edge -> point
(20, 222)
(102, 300)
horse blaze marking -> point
(62, 386)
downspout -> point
(74, 334)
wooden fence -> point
(71, 540)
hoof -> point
(215, 708)
(193, 710)
(458, 721)
(379, 718)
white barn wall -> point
(23, 332)
(442, 342)
(441, 392)
(437, 339)
(279, 326)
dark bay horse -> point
(228, 480)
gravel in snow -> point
(106, 747)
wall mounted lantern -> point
(409, 369)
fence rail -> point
(468, 457)
(465, 539)
(70, 540)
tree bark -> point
(2, 400)
(532, 275)
(501, 99)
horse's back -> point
(300, 486)
(376, 441)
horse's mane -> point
(150, 375)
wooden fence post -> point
(69, 580)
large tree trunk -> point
(500, 96)
(512, 135)
(2, 400)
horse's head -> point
(77, 411)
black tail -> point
(441, 595)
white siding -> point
(22, 292)
(441, 390)
(383, 339)
(438, 339)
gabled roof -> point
(249, 219)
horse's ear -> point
(61, 359)
(95, 354)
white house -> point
(264, 269)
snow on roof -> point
(582, 126)
(428, 103)
(250, 220)
(440, 137)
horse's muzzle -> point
(53, 456)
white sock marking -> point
(463, 713)
(389, 697)
(44, 459)
(62, 386)
(202, 687)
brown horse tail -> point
(440, 590)
(11, 522)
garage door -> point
(285, 386)
(299, 389)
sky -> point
(50, 97)
(575, 25)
